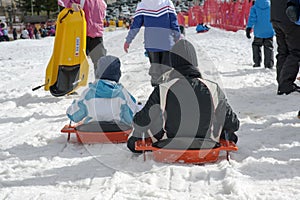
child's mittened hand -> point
(248, 30)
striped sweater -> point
(160, 22)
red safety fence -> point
(225, 14)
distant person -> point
(15, 34)
(95, 11)
(1, 35)
(30, 31)
(36, 33)
(24, 34)
(4, 32)
(161, 32)
(3, 24)
(185, 105)
(105, 99)
(43, 31)
(51, 31)
(259, 20)
(201, 27)
(288, 47)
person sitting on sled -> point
(202, 28)
(184, 105)
(105, 99)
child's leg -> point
(256, 50)
(154, 66)
(165, 61)
(160, 62)
(268, 52)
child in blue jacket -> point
(200, 28)
(105, 99)
(259, 20)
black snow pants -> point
(267, 43)
(288, 54)
(160, 63)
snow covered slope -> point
(36, 162)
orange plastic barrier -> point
(180, 18)
(228, 14)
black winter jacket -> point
(184, 105)
(190, 109)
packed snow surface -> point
(36, 162)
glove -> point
(248, 30)
(293, 13)
(146, 54)
(76, 7)
(126, 46)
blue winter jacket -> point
(160, 22)
(201, 28)
(104, 100)
(259, 19)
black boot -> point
(294, 88)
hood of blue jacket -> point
(262, 4)
(104, 89)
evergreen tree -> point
(37, 7)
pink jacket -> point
(95, 11)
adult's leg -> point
(95, 49)
(282, 49)
(290, 67)
(268, 52)
(256, 50)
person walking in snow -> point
(95, 11)
(4, 32)
(1, 35)
(288, 47)
(259, 20)
(185, 105)
(105, 99)
(161, 32)
(24, 34)
(15, 34)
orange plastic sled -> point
(68, 65)
(98, 132)
(199, 156)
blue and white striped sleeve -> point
(135, 27)
(77, 111)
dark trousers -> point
(267, 43)
(95, 49)
(288, 54)
(160, 63)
